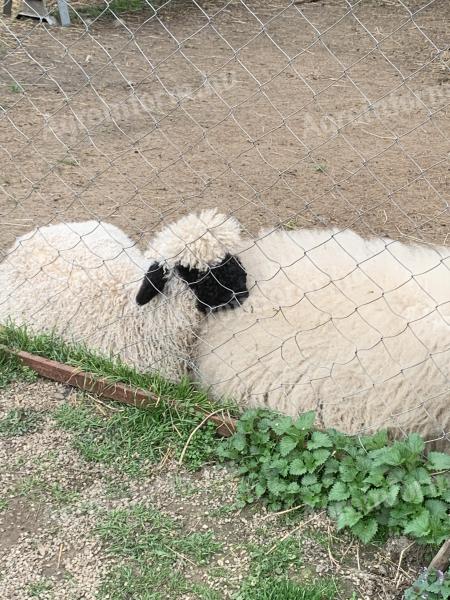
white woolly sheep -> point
(83, 281)
(358, 330)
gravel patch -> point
(53, 500)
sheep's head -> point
(200, 251)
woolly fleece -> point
(80, 280)
(358, 330)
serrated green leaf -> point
(319, 440)
(278, 464)
(297, 467)
(420, 525)
(286, 445)
(377, 476)
(420, 475)
(276, 486)
(260, 490)
(320, 456)
(375, 497)
(392, 495)
(412, 492)
(264, 424)
(282, 425)
(309, 461)
(305, 421)
(309, 480)
(365, 529)
(386, 456)
(437, 508)
(415, 443)
(332, 466)
(338, 492)
(293, 488)
(348, 473)
(376, 441)
(348, 517)
(396, 475)
(328, 480)
(239, 442)
(438, 461)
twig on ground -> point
(282, 512)
(289, 533)
(194, 431)
(400, 559)
(60, 555)
(180, 555)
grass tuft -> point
(76, 355)
(19, 421)
(133, 439)
(11, 369)
(130, 438)
(150, 545)
(40, 589)
(112, 9)
(270, 572)
(286, 589)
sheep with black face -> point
(356, 329)
(88, 282)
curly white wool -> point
(358, 330)
(80, 281)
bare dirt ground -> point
(52, 502)
(325, 114)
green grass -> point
(131, 438)
(35, 487)
(19, 421)
(30, 487)
(150, 545)
(286, 589)
(286, 554)
(112, 9)
(11, 369)
(61, 495)
(3, 504)
(140, 532)
(274, 573)
(16, 88)
(77, 355)
(39, 588)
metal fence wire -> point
(312, 119)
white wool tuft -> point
(197, 241)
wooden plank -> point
(441, 561)
(88, 382)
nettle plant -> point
(431, 585)
(366, 483)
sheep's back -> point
(354, 329)
(69, 278)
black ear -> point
(153, 283)
(221, 286)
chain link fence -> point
(287, 116)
